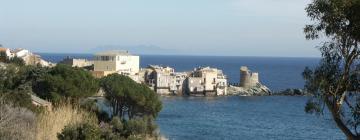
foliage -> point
(334, 83)
(16, 122)
(140, 126)
(18, 98)
(128, 98)
(3, 56)
(90, 105)
(16, 61)
(83, 131)
(64, 82)
(8, 78)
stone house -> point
(207, 81)
(76, 62)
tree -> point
(64, 82)
(335, 82)
(128, 98)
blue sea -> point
(247, 118)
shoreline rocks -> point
(292, 92)
(257, 90)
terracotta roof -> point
(3, 49)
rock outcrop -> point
(292, 92)
(257, 90)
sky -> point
(180, 27)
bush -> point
(117, 125)
(16, 123)
(83, 131)
(16, 60)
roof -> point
(114, 53)
(18, 50)
(3, 49)
(206, 69)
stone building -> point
(163, 80)
(121, 62)
(179, 82)
(76, 62)
(248, 79)
(207, 81)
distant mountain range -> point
(137, 49)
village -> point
(164, 80)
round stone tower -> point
(248, 79)
(254, 78)
(244, 77)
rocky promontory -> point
(257, 90)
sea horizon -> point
(144, 54)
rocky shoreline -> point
(257, 90)
(262, 90)
(292, 92)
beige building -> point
(207, 81)
(76, 62)
(121, 62)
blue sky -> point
(192, 27)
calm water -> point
(274, 117)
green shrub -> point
(84, 131)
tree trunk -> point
(340, 124)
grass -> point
(50, 123)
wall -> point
(128, 64)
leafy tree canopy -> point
(335, 82)
(64, 82)
(129, 98)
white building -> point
(20, 53)
(28, 57)
(121, 62)
(207, 81)
(159, 78)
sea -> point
(237, 117)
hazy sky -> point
(194, 27)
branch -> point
(348, 103)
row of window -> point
(107, 58)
